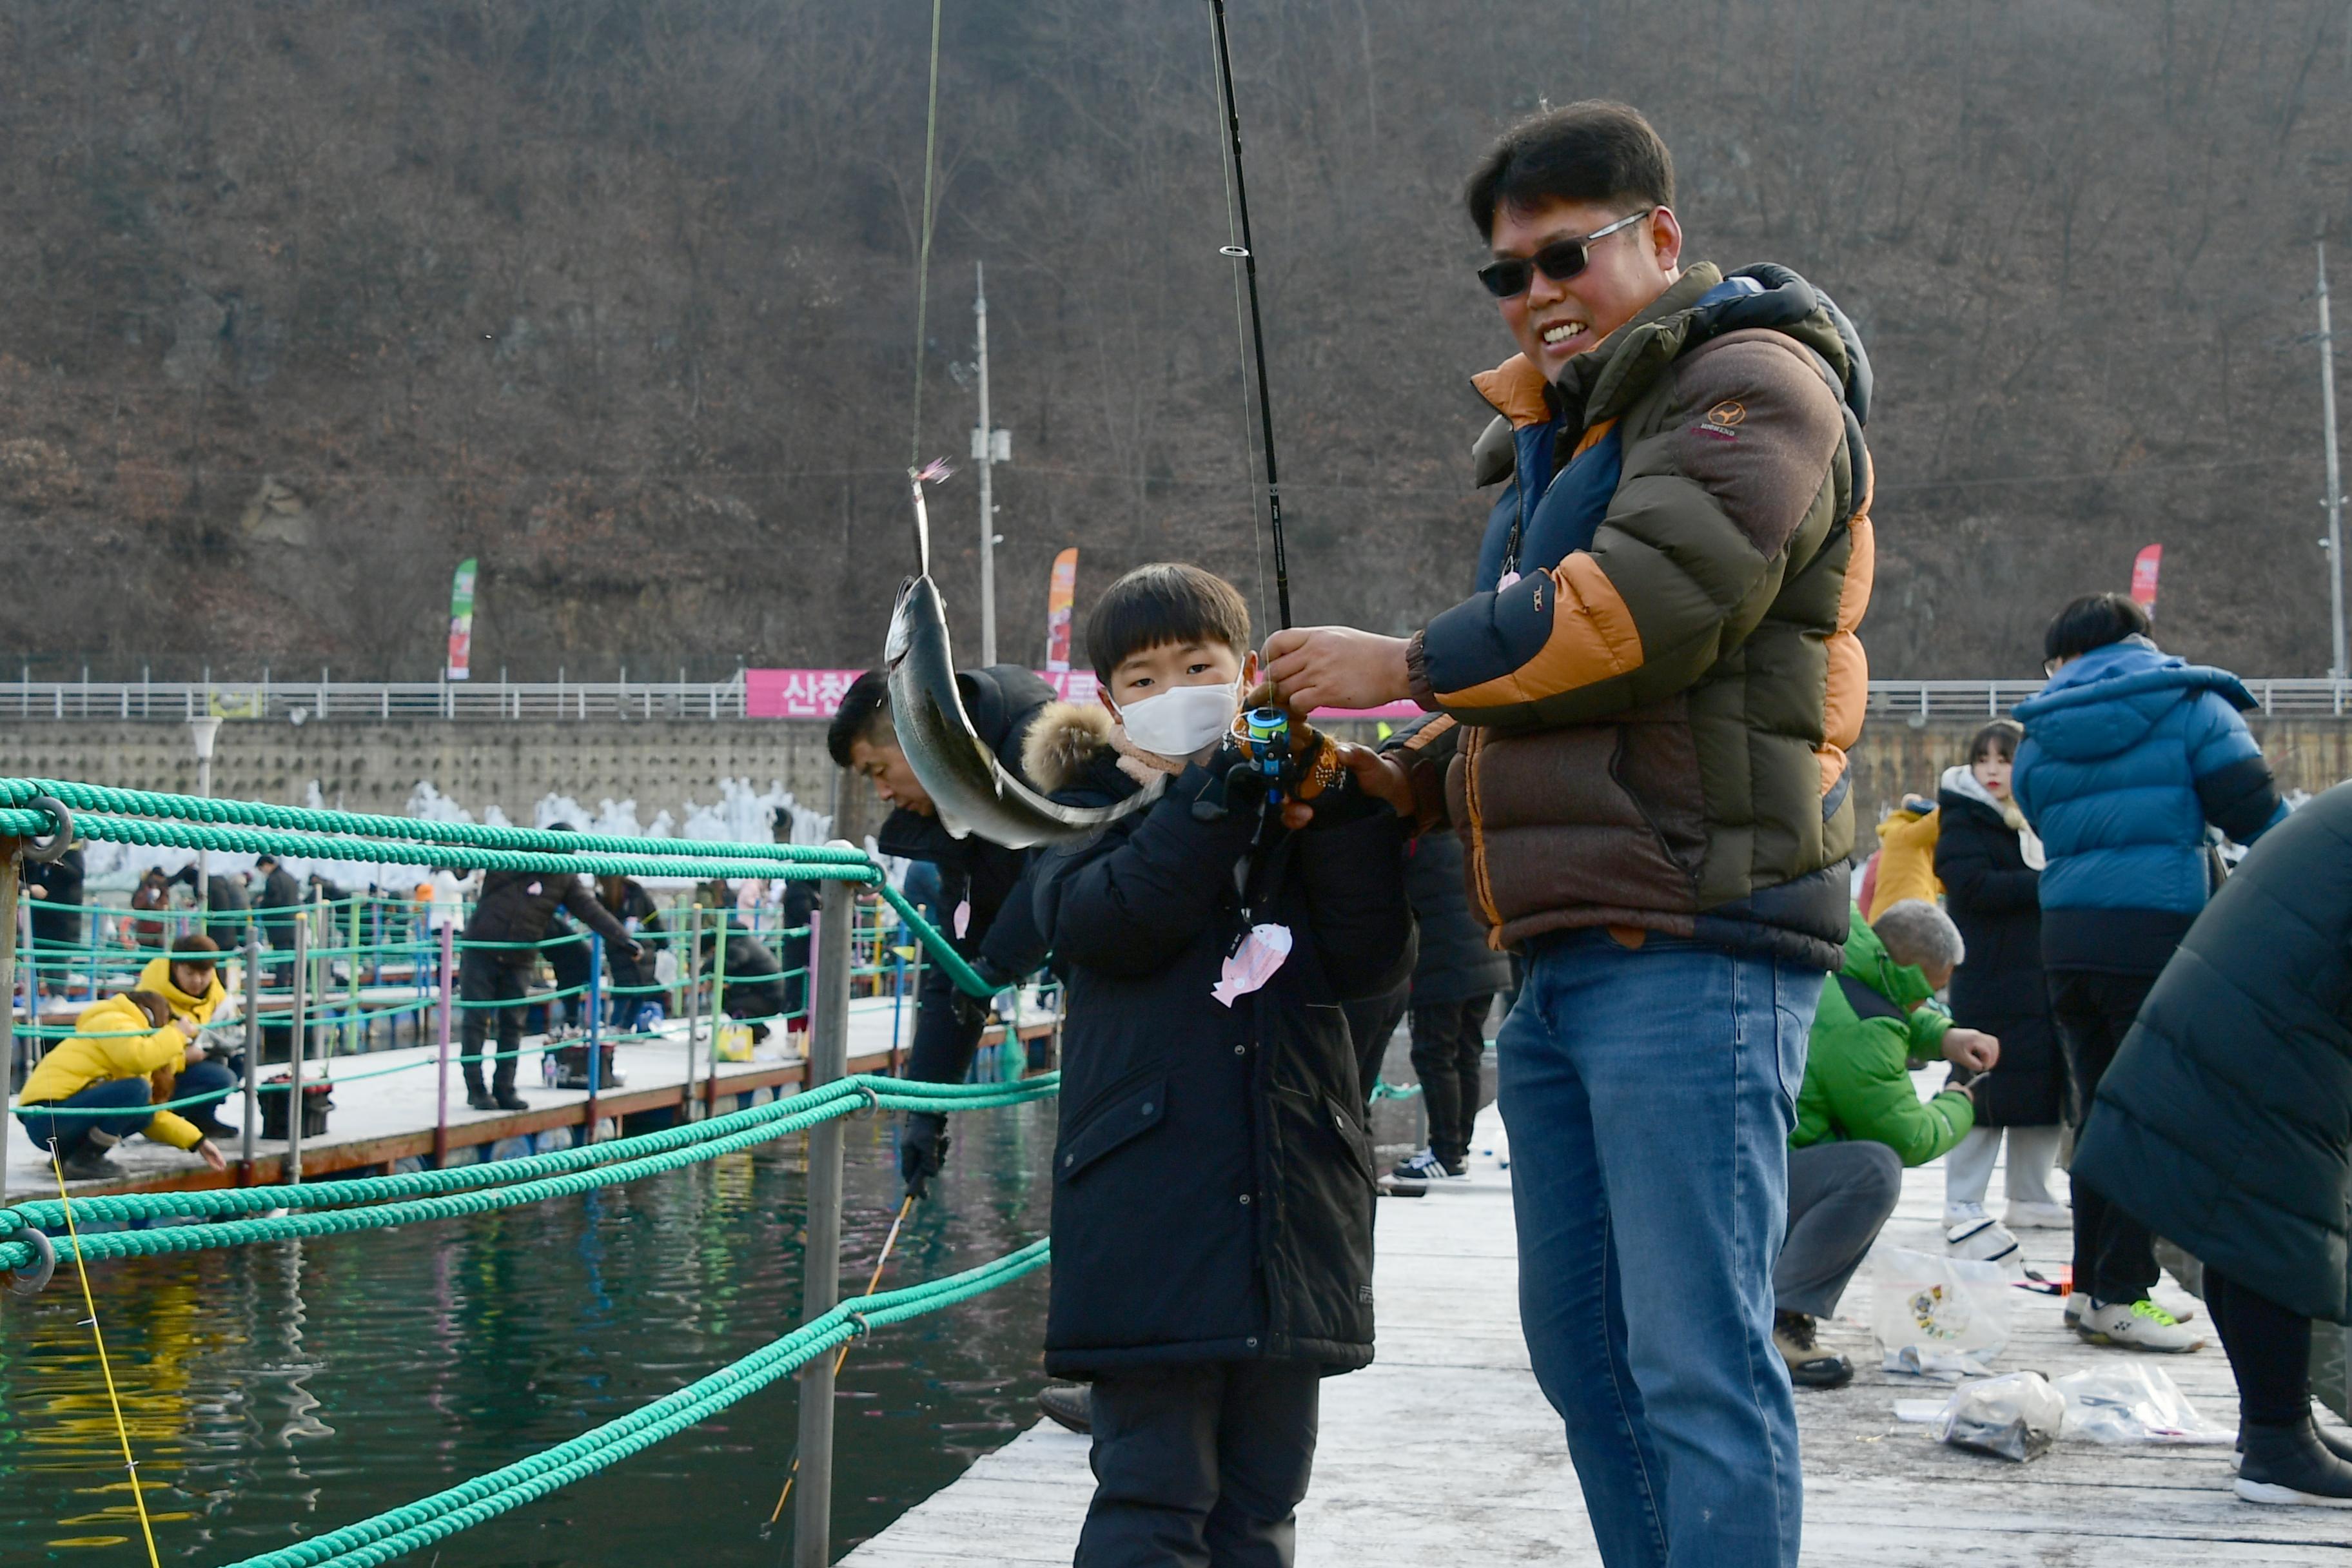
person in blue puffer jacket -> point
(2130, 752)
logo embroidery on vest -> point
(1727, 414)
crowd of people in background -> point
(2179, 1025)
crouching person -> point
(123, 1051)
(1212, 1178)
(1859, 1121)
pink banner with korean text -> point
(817, 694)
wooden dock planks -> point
(1444, 1452)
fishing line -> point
(923, 262)
(873, 1282)
(122, 1431)
(1239, 209)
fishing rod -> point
(889, 1242)
(1246, 254)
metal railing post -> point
(718, 997)
(828, 1060)
(297, 1047)
(252, 1055)
(446, 1012)
(595, 1028)
(693, 1006)
(10, 868)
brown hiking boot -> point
(1809, 1366)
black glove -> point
(922, 1149)
(978, 1012)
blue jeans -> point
(127, 1094)
(1649, 1093)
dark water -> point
(281, 1391)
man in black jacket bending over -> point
(989, 922)
(515, 908)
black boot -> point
(1069, 1406)
(506, 1098)
(2337, 1443)
(476, 1097)
(2289, 1464)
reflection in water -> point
(280, 1391)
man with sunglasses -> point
(1644, 711)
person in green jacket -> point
(1859, 1121)
(1874, 1027)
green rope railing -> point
(88, 798)
(797, 1114)
(406, 1529)
(193, 821)
(48, 1214)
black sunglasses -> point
(1560, 260)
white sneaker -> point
(1983, 1241)
(1958, 1215)
(2075, 1302)
(2139, 1325)
(2039, 1216)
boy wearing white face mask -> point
(1214, 1181)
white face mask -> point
(1181, 719)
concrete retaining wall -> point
(371, 766)
(663, 763)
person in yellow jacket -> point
(1907, 857)
(185, 977)
(122, 1052)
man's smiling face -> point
(1553, 323)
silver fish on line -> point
(969, 788)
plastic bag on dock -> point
(1944, 1318)
(2015, 1416)
(734, 1040)
(2133, 1402)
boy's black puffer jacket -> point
(1213, 1180)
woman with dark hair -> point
(1990, 865)
(2129, 753)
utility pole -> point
(990, 446)
(2335, 503)
(203, 731)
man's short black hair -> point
(266, 860)
(1162, 604)
(864, 715)
(2094, 620)
(1594, 151)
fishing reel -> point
(1273, 760)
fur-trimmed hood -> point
(1065, 740)
(1077, 752)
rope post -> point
(718, 996)
(12, 867)
(444, 1012)
(693, 1004)
(252, 1056)
(297, 1039)
(595, 1028)
(828, 1060)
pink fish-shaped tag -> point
(1254, 963)
(1509, 579)
(962, 919)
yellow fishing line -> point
(114, 1400)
